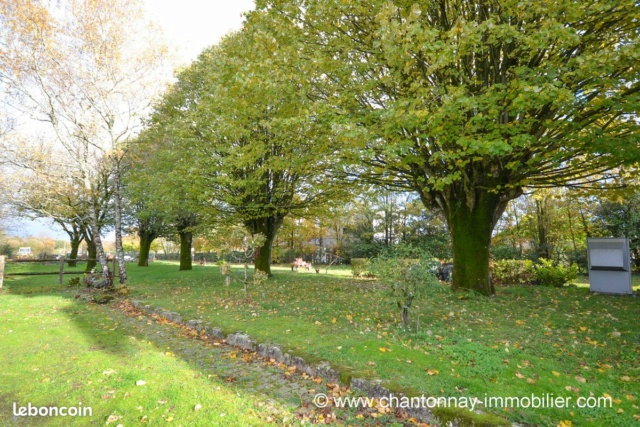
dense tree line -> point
(466, 104)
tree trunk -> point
(471, 229)
(117, 197)
(636, 257)
(269, 228)
(92, 255)
(97, 240)
(544, 248)
(263, 256)
(73, 255)
(145, 247)
(186, 238)
(406, 318)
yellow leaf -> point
(334, 320)
(383, 349)
(433, 371)
(555, 374)
(519, 375)
(565, 423)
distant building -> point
(24, 252)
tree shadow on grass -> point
(113, 331)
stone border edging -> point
(371, 388)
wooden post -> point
(61, 271)
(1, 270)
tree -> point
(144, 214)
(254, 155)
(43, 186)
(89, 70)
(468, 102)
(621, 218)
(149, 226)
(163, 188)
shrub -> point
(408, 273)
(511, 272)
(505, 252)
(359, 267)
(547, 274)
(579, 258)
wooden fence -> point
(61, 263)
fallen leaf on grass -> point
(113, 419)
(432, 372)
(141, 382)
(519, 375)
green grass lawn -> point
(56, 352)
(526, 340)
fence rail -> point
(61, 262)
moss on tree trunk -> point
(92, 254)
(145, 248)
(269, 227)
(73, 255)
(471, 228)
(263, 257)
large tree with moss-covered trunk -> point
(244, 138)
(467, 102)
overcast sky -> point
(189, 26)
(192, 25)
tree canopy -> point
(240, 127)
(468, 102)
